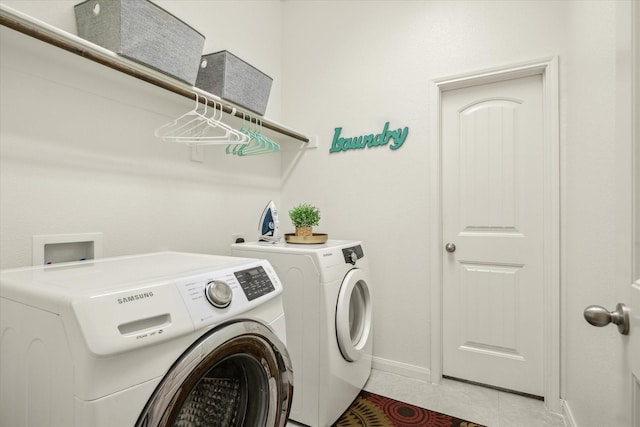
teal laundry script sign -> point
(392, 138)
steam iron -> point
(269, 227)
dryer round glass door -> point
(353, 315)
(236, 375)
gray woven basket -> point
(144, 32)
(231, 78)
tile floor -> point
(470, 402)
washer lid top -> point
(120, 304)
(46, 286)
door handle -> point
(450, 247)
(600, 316)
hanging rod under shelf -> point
(47, 33)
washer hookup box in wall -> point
(231, 78)
(144, 32)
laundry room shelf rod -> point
(47, 33)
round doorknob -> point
(450, 247)
(600, 316)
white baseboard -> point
(569, 420)
(399, 368)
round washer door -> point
(353, 315)
(238, 374)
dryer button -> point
(218, 293)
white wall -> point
(356, 65)
(83, 158)
(78, 152)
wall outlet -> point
(238, 238)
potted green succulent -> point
(304, 218)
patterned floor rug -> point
(372, 410)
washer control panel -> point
(255, 282)
(216, 296)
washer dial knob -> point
(353, 258)
(218, 293)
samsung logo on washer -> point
(135, 297)
(393, 138)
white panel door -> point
(492, 166)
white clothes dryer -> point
(327, 301)
(146, 340)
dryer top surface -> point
(294, 248)
(332, 259)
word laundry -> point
(395, 137)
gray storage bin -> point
(231, 78)
(144, 32)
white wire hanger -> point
(184, 121)
(196, 128)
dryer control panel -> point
(352, 254)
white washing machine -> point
(147, 340)
(327, 301)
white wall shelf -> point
(42, 31)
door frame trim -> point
(547, 68)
